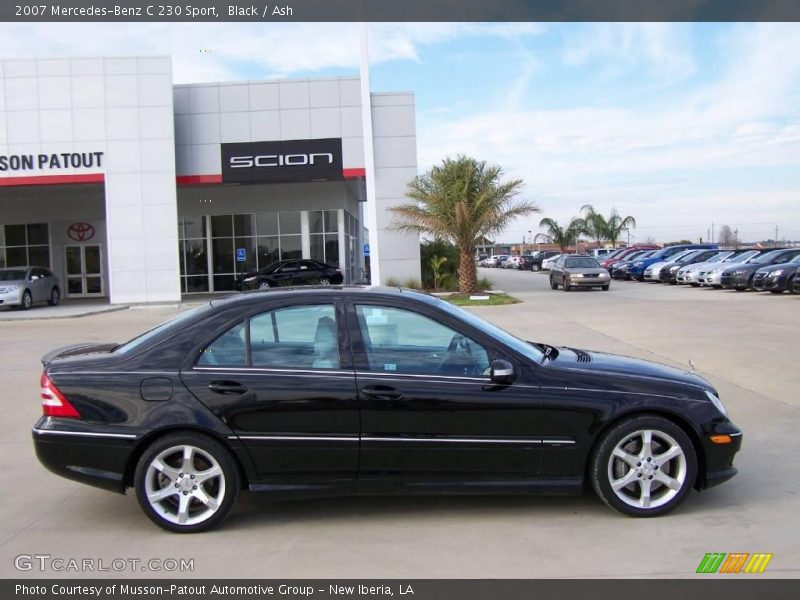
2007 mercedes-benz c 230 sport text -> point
(316, 391)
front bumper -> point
(10, 297)
(737, 282)
(589, 281)
(719, 459)
(772, 284)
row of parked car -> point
(772, 269)
(535, 261)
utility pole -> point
(736, 238)
(712, 232)
(776, 236)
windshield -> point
(584, 262)
(680, 255)
(148, 335)
(12, 275)
(766, 258)
(743, 257)
(521, 346)
(719, 257)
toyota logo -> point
(80, 232)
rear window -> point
(155, 331)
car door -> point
(286, 274)
(429, 412)
(308, 273)
(38, 285)
(283, 380)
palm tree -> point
(616, 225)
(462, 200)
(594, 224)
(563, 236)
(602, 228)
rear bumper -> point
(94, 458)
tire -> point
(674, 476)
(207, 455)
(790, 285)
(324, 281)
(55, 297)
(553, 284)
(605, 288)
(567, 286)
(263, 285)
(536, 267)
(27, 300)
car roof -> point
(256, 296)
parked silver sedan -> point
(578, 271)
(24, 286)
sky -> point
(679, 125)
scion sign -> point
(286, 161)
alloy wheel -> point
(324, 281)
(647, 469)
(185, 485)
(263, 285)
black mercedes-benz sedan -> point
(331, 390)
(291, 273)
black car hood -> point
(78, 349)
(770, 268)
(603, 362)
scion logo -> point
(286, 161)
(735, 562)
(281, 160)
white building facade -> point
(132, 188)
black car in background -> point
(536, 259)
(343, 390)
(291, 272)
(669, 273)
(740, 277)
(777, 278)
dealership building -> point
(135, 189)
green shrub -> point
(484, 283)
(391, 282)
(413, 284)
(438, 249)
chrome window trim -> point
(316, 372)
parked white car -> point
(652, 272)
(494, 261)
(548, 263)
(689, 273)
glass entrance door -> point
(84, 270)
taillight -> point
(54, 404)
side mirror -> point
(502, 371)
(34, 277)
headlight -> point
(673, 269)
(638, 264)
(736, 273)
(775, 273)
(717, 403)
(576, 274)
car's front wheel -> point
(644, 466)
(535, 267)
(186, 482)
(605, 288)
(263, 285)
(324, 281)
(27, 300)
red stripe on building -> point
(52, 179)
(354, 173)
(198, 179)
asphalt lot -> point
(744, 343)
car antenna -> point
(691, 365)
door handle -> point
(227, 387)
(381, 392)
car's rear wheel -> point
(186, 482)
(644, 466)
(27, 300)
(553, 284)
(324, 281)
(263, 285)
(535, 267)
(55, 297)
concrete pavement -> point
(745, 344)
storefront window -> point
(25, 245)
(323, 226)
(193, 254)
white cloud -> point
(263, 50)
(745, 118)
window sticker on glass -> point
(389, 367)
